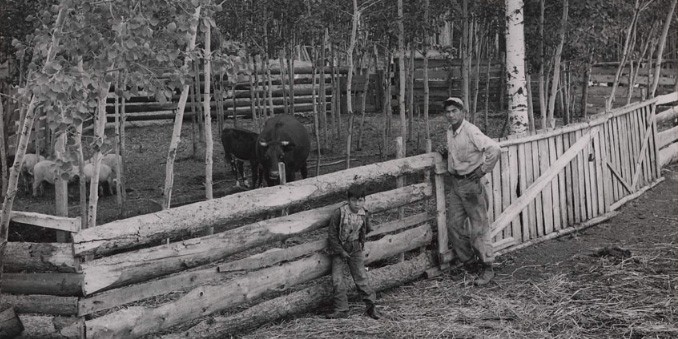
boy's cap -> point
(452, 101)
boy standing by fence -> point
(470, 155)
(347, 230)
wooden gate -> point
(552, 183)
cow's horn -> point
(284, 143)
(262, 143)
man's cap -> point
(456, 102)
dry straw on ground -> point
(605, 294)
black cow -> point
(283, 139)
(240, 145)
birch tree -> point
(515, 67)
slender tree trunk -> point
(209, 142)
(465, 54)
(316, 121)
(290, 73)
(281, 57)
(410, 97)
(364, 99)
(585, 88)
(196, 99)
(255, 116)
(627, 42)
(542, 59)
(323, 94)
(3, 149)
(118, 174)
(555, 82)
(401, 69)
(100, 135)
(427, 91)
(660, 51)
(349, 81)
(269, 77)
(515, 67)
(176, 132)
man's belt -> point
(460, 176)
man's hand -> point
(476, 174)
(442, 150)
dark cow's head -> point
(275, 152)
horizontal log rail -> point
(141, 265)
(30, 257)
(164, 224)
(47, 221)
(58, 284)
(206, 300)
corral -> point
(606, 162)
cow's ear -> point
(287, 146)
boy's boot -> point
(486, 276)
(371, 311)
(337, 315)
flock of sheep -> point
(37, 170)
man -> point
(470, 155)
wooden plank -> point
(441, 204)
(555, 186)
(496, 193)
(645, 121)
(522, 185)
(59, 284)
(636, 194)
(508, 215)
(505, 186)
(598, 164)
(593, 183)
(490, 198)
(516, 228)
(581, 177)
(46, 221)
(657, 165)
(635, 145)
(586, 180)
(640, 159)
(135, 231)
(624, 80)
(273, 256)
(615, 164)
(569, 200)
(671, 113)
(547, 192)
(625, 149)
(562, 190)
(144, 264)
(31, 257)
(612, 186)
(136, 321)
(607, 175)
(42, 304)
(529, 179)
(620, 179)
(539, 203)
(643, 124)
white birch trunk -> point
(662, 43)
(401, 69)
(209, 143)
(176, 132)
(556, 68)
(515, 67)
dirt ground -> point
(584, 285)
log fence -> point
(545, 185)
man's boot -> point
(371, 312)
(486, 276)
(337, 315)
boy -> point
(347, 230)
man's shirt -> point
(469, 148)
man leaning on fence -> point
(470, 155)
